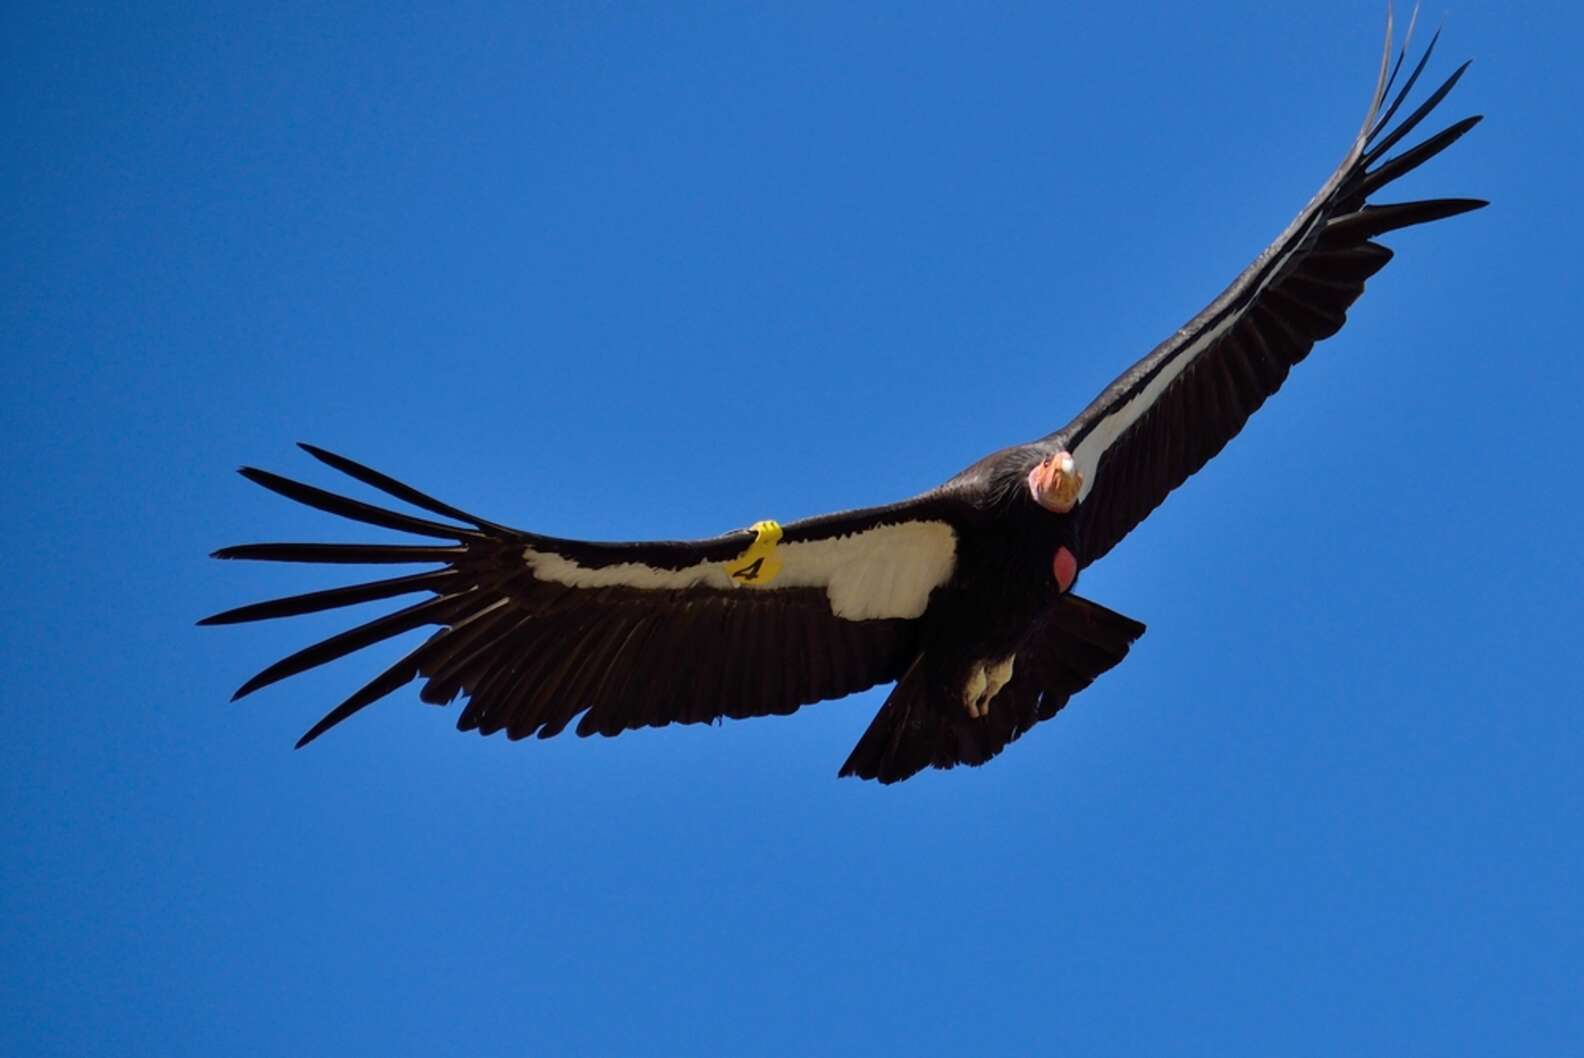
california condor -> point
(962, 595)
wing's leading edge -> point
(537, 631)
(1171, 412)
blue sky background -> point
(620, 272)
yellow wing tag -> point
(759, 565)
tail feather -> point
(923, 724)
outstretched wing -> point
(535, 630)
(1171, 412)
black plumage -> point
(962, 595)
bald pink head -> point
(1055, 482)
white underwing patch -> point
(883, 572)
(1118, 420)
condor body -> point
(962, 595)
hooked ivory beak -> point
(1054, 484)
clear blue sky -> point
(614, 272)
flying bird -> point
(962, 595)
